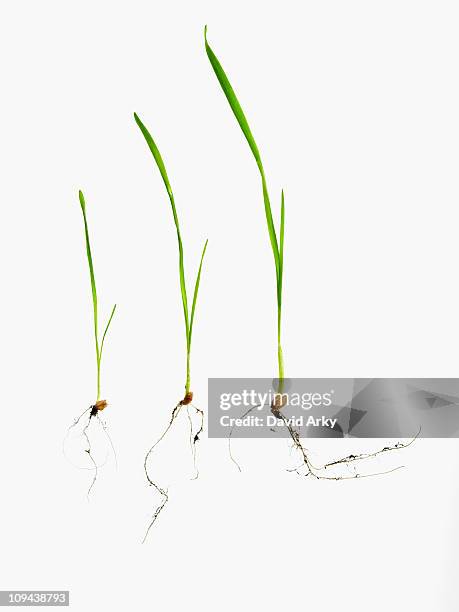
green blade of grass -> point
(277, 247)
(232, 99)
(280, 356)
(162, 169)
(94, 295)
(105, 333)
(92, 277)
(193, 307)
(243, 123)
(281, 247)
(196, 289)
(158, 159)
(91, 267)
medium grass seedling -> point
(277, 246)
(188, 320)
(95, 409)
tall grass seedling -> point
(277, 245)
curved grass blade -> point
(105, 332)
(243, 123)
(281, 249)
(162, 169)
(196, 289)
(277, 247)
(91, 273)
(158, 159)
(280, 356)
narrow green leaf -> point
(281, 248)
(277, 247)
(105, 332)
(91, 270)
(243, 123)
(156, 154)
(196, 288)
(232, 99)
(270, 223)
(280, 356)
(162, 169)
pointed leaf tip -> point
(81, 198)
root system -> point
(194, 438)
(92, 413)
(308, 469)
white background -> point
(355, 109)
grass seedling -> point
(94, 410)
(277, 246)
(189, 320)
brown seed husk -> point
(187, 399)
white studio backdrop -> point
(354, 108)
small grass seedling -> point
(189, 320)
(93, 412)
(277, 246)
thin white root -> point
(88, 450)
(194, 437)
(231, 434)
(157, 512)
(347, 461)
(151, 483)
(105, 430)
(315, 471)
